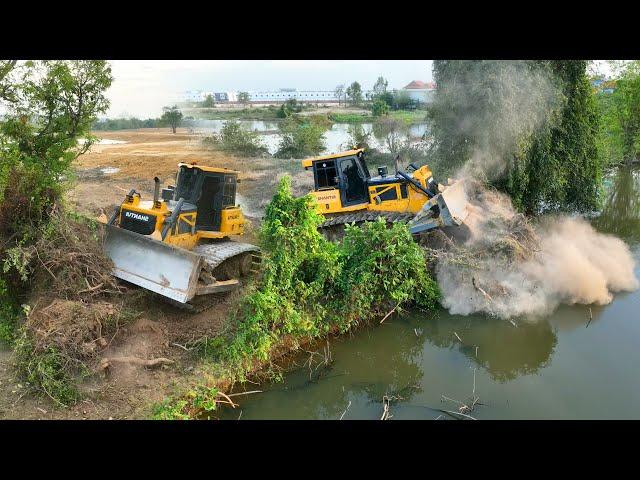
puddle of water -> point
(109, 170)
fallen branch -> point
(392, 310)
(152, 363)
(487, 296)
(345, 410)
(243, 393)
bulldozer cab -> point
(347, 173)
(210, 190)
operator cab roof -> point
(208, 169)
(308, 162)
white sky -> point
(142, 87)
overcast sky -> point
(142, 88)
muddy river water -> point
(579, 363)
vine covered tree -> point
(527, 127)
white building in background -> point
(420, 91)
(285, 94)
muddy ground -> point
(126, 391)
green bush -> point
(235, 139)
(302, 137)
(289, 107)
(379, 107)
(310, 286)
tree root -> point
(152, 363)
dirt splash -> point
(509, 267)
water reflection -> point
(621, 212)
(503, 350)
(378, 367)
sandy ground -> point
(126, 391)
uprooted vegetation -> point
(310, 287)
(512, 267)
(65, 277)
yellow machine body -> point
(388, 193)
(173, 244)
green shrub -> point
(302, 137)
(235, 139)
(310, 285)
(379, 107)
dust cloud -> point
(511, 268)
(508, 266)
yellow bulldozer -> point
(179, 244)
(345, 192)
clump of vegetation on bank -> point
(237, 140)
(302, 136)
(311, 287)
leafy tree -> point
(402, 101)
(47, 107)
(380, 87)
(621, 115)
(354, 93)
(379, 108)
(339, 93)
(528, 127)
(209, 102)
(172, 116)
(243, 98)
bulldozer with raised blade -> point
(179, 244)
(346, 193)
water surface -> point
(579, 363)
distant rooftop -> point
(420, 85)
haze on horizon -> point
(142, 87)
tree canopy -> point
(527, 127)
(172, 116)
(48, 109)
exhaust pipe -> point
(156, 193)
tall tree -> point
(172, 116)
(354, 93)
(243, 98)
(339, 93)
(208, 102)
(528, 127)
(380, 87)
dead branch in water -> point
(392, 310)
(345, 410)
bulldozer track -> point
(216, 253)
(222, 260)
(333, 226)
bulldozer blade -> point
(169, 271)
(455, 203)
(452, 203)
